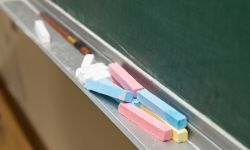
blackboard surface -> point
(199, 49)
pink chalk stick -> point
(115, 82)
(146, 121)
(124, 78)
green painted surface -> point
(199, 49)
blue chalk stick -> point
(162, 109)
(136, 103)
(107, 87)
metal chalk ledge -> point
(204, 134)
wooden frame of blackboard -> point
(204, 133)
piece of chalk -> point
(114, 81)
(87, 60)
(80, 75)
(162, 109)
(124, 78)
(107, 87)
(94, 67)
(179, 135)
(42, 32)
(136, 103)
(145, 121)
(101, 75)
(95, 71)
(96, 74)
(78, 72)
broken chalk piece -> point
(42, 32)
(87, 60)
(95, 74)
(95, 71)
(78, 72)
(162, 109)
(179, 135)
(124, 78)
(101, 75)
(94, 67)
(107, 87)
(145, 121)
(80, 75)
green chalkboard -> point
(199, 49)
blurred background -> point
(40, 108)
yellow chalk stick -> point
(71, 39)
(179, 136)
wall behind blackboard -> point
(199, 49)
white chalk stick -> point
(42, 32)
(87, 60)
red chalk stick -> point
(146, 121)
